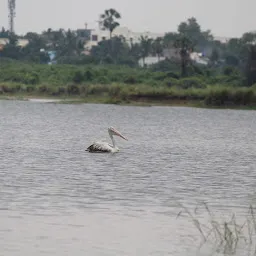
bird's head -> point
(113, 131)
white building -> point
(222, 39)
(97, 35)
(21, 42)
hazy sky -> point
(224, 17)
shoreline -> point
(120, 85)
(106, 100)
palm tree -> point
(108, 20)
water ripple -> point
(58, 199)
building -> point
(94, 36)
(223, 40)
(4, 41)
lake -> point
(56, 199)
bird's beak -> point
(120, 135)
(123, 137)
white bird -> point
(104, 147)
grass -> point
(122, 85)
(227, 235)
(136, 94)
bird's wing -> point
(99, 147)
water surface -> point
(57, 199)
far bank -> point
(218, 97)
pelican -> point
(104, 147)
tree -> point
(157, 47)
(108, 20)
(250, 71)
(169, 39)
(114, 50)
(234, 45)
(32, 51)
(11, 49)
(54, 38)
(4, 33)
(135, 51)
(192, 30)
(146, 47)
(248, 38)
(67, 43)
(214, 56)
(185, 46)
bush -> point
(227, 71)
(165, 66)
(78, 77)
(103, 80)
(43, 89)
(229, 97)
(88, 75)
(73, 89)
(32, 78)
(114, 91)
(61, 90)
(30, 88)
(244, 97)
(131, 80)
(159, 76)
(172, 75)
(171, 82)
(6, 89)
(192, 82)
(217, 98)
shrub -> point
(103, 80)
(32, 78)
(61, 90)
(171, 82)
(194, 82)
(30, 88)
(229, 97)
(159, 76)
(43, 89)
(131, 80)
(96, 89)
(115, 91)
(172, 75)
(88, 75)
(244, 97)
(227, 71)
(78, 77)
(217, 97)
(5, 89)
(73, 89)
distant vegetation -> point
(110, 70)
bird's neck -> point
(113, 140)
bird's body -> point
(104, 147)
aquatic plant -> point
(228, 235)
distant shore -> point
(147, 102)
(123, 85)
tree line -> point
(237, 55)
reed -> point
(226, 236)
